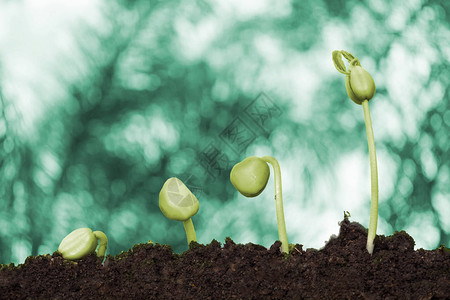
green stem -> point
(373, 179)
(190, 231)
(103, 243)
(278, 203)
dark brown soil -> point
(341, 270)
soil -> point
(341, 270)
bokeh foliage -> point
(152, 85)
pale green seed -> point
(250, 176)
(176, 201)
(78, 244)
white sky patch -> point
(353, 186)
(333, 37)
(403, 87)
(387, 173)
(296, 78)
(378, 6)
(423, 229)
(293, 183)
(122, 222)
(407, 72)
(441, 204)
(429, 164)
(431, 96)
(400, 13)
(387, 121)
(269, 48)
(20, 249)
(245, 10)
(66, 210)
(144, 134)
(196, 39)
(322, 193)
(37, 48)
(398, 18)
(236, 217)
(50, 163)
(309, 224)
(359, 32)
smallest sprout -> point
(82, 242)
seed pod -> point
(359, 84)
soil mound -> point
(341, 270)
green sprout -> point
(178, 203)
(82, 242)
(361, 88)
(250, 178)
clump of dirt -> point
(341, 270)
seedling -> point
(178, 203)
(82, 242)
(361, 88)
(250, 178)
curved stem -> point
(278, 203)
(103, 243)
(373, 179)
(190, 231)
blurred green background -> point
(102, 101)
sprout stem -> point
(278, 203)
(190, 232)
(373, 179)
(103, 243)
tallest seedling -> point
(361, 88)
